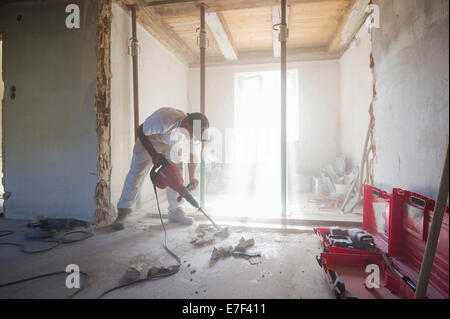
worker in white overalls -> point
(156, 136)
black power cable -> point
(151, 277)
(61, 240)
(64, 239)
(50, 274)
(4, 233)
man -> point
(156, 136)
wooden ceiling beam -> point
(266, 57)
(220, 31)
(351, 23)
(181, 7)
(160, 30)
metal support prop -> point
(202, 44)
(134, 53)
(283, 40)
(433, 237)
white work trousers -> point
(141, 164)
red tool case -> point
(410, 224)
(399, 224)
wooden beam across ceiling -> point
(159, 29)
(266, 57)
(223, 37)
(186, 7)
(352, 22)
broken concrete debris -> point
(132, 274)
(221, 252)
(161, 271)
(207, 234)
(204, 229)
(238, 251)
(244, 244)
(138, 267)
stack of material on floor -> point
(333, 184)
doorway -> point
(253, 187)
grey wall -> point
(411, 52)
(49, 139)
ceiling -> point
(318, 29)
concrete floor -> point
(300, 208)
(288, 268)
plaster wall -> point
(49, 139)
(355, 97)
(163, 81)
(411, 55)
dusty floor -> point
(299, 208)
(288, 268)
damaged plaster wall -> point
(103, 213)
(411, 57)
(49, 136)
(356, 96)
(163, 82)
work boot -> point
(178, 216)
(119, 223)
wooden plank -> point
(186, 8)
(266, 57)
(223, 38)
(187, 29)
(251, 28)
(315, 24)
(160, 30)
(351, 23)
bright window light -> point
(255, 177)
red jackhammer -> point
(167, 174)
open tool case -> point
(396, 229)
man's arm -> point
(146, 142)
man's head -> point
(196, 124)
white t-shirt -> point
(164, 124)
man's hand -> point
(156, 159)
(193, 183)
